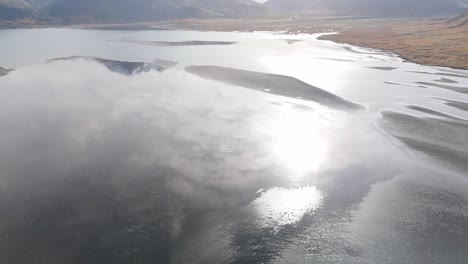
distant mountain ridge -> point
(384, 8)
(105, 11)
(15, 9)
(127, 11)
(149, 10)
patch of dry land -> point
(442, 42)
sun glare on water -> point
(279, 206)
(299, 141)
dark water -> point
(104, 161)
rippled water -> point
(314, 153)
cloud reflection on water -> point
(99, 167)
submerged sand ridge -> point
(442, 139)
(179, 43)
(274, 84)
(445, 80)
(457, 89)
(455, 104)
(433, 112)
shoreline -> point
(406, 57)
(432, 42)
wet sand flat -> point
(457, 89)
(449, 157)
(407, 85)
(293, 41)
(446, 74)
(179, 43)
(383, 68)
(454, 71)
(445, 80)
(335, 59)
(456, 104)
(432, 112)
(442, 139)
(272, 83)
(442, 131)
(130, 27)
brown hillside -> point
(432, 42)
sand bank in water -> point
(455, 104)
(457, 89)
(433, 112)
(274, 84)
(179, 43)
(443, 140)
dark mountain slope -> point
(15, 9)
(149, 10)
(39, 4)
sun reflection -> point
(278, 206)
(299, 141)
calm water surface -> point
(99, 164)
